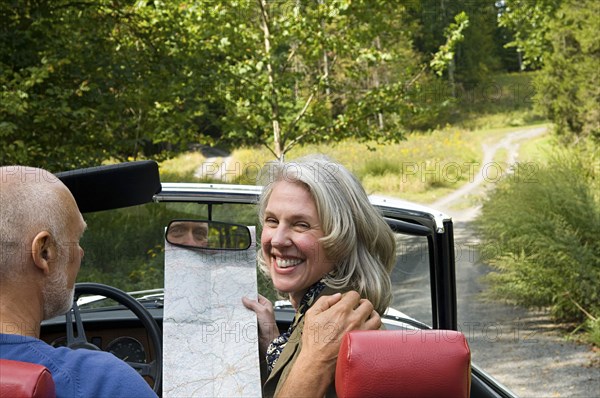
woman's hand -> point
(329, 319)
(267, 327)
(325, 324)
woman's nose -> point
(281, 236)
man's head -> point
(188, 233)
(40, 228)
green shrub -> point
(541, 233)
(593, 329)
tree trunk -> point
(377, 83)
(277, 137)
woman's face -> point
(290, 240)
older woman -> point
(320, 236)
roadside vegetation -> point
(541, 229)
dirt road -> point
(521, 348)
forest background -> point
(100, 81)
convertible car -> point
(130, 200)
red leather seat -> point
(403, 363)
(25, 380)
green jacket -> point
(284, 364)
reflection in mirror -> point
(205, 234)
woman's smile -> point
(286, 262)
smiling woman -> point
(292, 249)
(320, 236)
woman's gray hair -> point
(357, 237)
(31, 203)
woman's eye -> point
(302, 225)
(270, 221)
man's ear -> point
(43, 251)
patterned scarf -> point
(277, 345)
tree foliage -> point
(455, 35)
(87, 81)
(568, 87)
(324, 70)
(530, 22)
(477, 54)
(83, 82)
(561, 38)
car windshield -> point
(124, 248)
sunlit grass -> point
(421, 168)
(537, 149)
(181, 168)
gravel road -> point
(521, 348)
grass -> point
(181, 167)
(419, 168)
(537, 149)
(423, 168)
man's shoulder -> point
(79, 372)
(85, 358)
(30, 349)
(23, 348)
(104, 374)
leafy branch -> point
(454, 35)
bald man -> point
(40, 256)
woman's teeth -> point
(281, 263)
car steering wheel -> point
(152, 369)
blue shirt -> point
(78, 373)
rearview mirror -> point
(206, 234)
